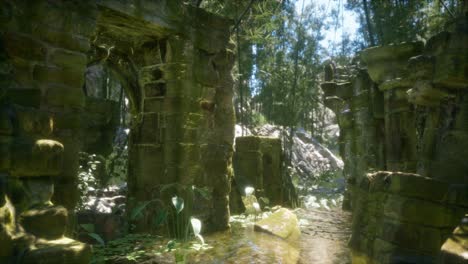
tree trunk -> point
(369, 25)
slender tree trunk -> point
(239, 64)
(368, 22)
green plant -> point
(89, 228)
(88, 178)
(176, 216)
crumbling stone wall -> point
(403, 111)
(174, 64)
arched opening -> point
(103, 168)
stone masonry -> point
(402, 116)
(174, 62)
(258, 163)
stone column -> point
(387, 67)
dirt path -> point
(325, 235)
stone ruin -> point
(402, 111)
(258, 163)
(174, 63)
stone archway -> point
(182, 130)
(182, 102)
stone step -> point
(48, 223)
(59, 251)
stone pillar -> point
(257, 163)
(387, 67)
(184, 140)
(29, 221)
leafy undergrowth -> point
(144, 248)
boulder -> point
(282, 223)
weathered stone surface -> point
(67, 59)
(70, 77)
(24, 97)
(413, 120)
(424, 93)
(386, 63)
(49, 222)
(57, 95)
(257, 164)
(6, 228)
(282, 223)
(58, 251)
(63, 39)
(33, 122)
(455, 248)
(24, 46)
(39, 158)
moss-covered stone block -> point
(388, 62)
(62, 39)
(451, 69)
(421, 212)
(455, 248)
(6, 227)
(58, 251)
(410, 236)
(55, 75)
(64, 96)
(67, 120)
(282, 223)
(39, 158)
(48, 222)
(33, 122)
(5, 154)
(68, 59)
(30, 97)
(24, 46)
(65, 193)
(6, 125)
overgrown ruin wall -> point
(174, 63)
(404, 139)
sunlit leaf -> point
(256, 206)
(249, 190)
(201, 239)
(98, 238)
(196, 225)
(136, 212)
(178, 204)
(160, 217)
(88, 227)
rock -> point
(316, 158)
(282, 223)
(39, 158)
(387, 62)
(28, 97)
(258, 163)
(455, 248)
(424, 93)
(252, 207)
(33, 121)
(38, 191)
(6, 240)
(63, 250)
(48, 223)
